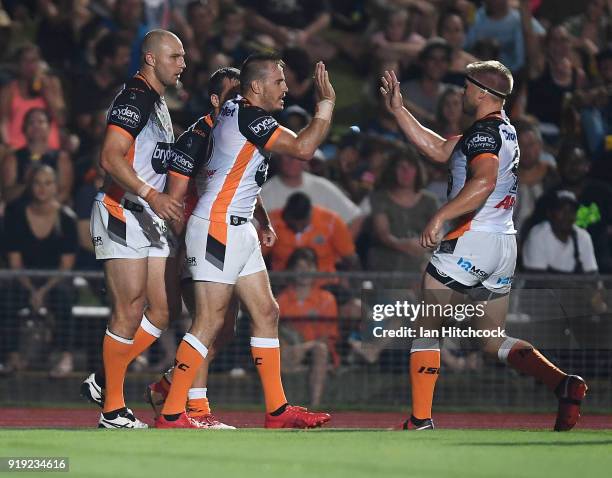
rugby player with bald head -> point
(128, 225)
(475, 261)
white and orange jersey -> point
(140, 113)
(228, 184)
(492, 135)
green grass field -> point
(321, 453)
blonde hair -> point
(493, 74)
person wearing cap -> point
(557, 244)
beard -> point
(468, 109)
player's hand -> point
(432, 234)
(323, 87)
(390, 90)
(166, 208)
(268, 236)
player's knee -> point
(129, 310)
(270, 313)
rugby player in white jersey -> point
(476, 259)
(128, 217)
(223, 250)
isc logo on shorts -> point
(469, 267)
(97, 241)
(191, 261)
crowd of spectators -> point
(366, 195)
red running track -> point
(84, 418)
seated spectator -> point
(452, 28)
(552, 74)
(594, 200)
(128, 21)
(292, 178)
(302, 224)
(394, 43)
(199, 28)
(421, 95)
(535, 174)
(596, 114)
(590, 29)
(296, 23)
(308, 323)
(557, 244)
(346, 168)
(298, 75)
(231, 38)
(400, 212)
(497, 20)
(44, 237)
(96, 88)
(450, 120)
(17, 166)
(34, 87)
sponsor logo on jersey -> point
(470, 268)
(261, 126)
(504, 280)
(481, 141)
(126, 115)
(160, 157)
(262, 173)
(180, 160)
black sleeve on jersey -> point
(480, 139)
(189, 151)
(132, 106)
(256, 125)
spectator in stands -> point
(400, 212)
(44, 237)
(536, 175)
(450, 120)
(553, 73)
(557, 244)
(292, 178)
(590, 30)
(297, 23)
(394, 42)
(594, 200)
(95, 89)
(201, 18)
(347, 167)
(17, 166)
(127, 20)
(302, 224)
(308, 323)
(422, 94)
(298, 75)
(496, 19)
(231, 39)
(596, 113)
(34, 87)
(452, 28)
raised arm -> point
(431, 144)
(304, 144)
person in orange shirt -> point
(309, 323)
(301, 224)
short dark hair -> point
(434, 44)
(302, 254)
(215, 84)
(298, 207)
(254, 68)
(108, 45)
(31, 112)
(451, 12)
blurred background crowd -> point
(363, 200)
